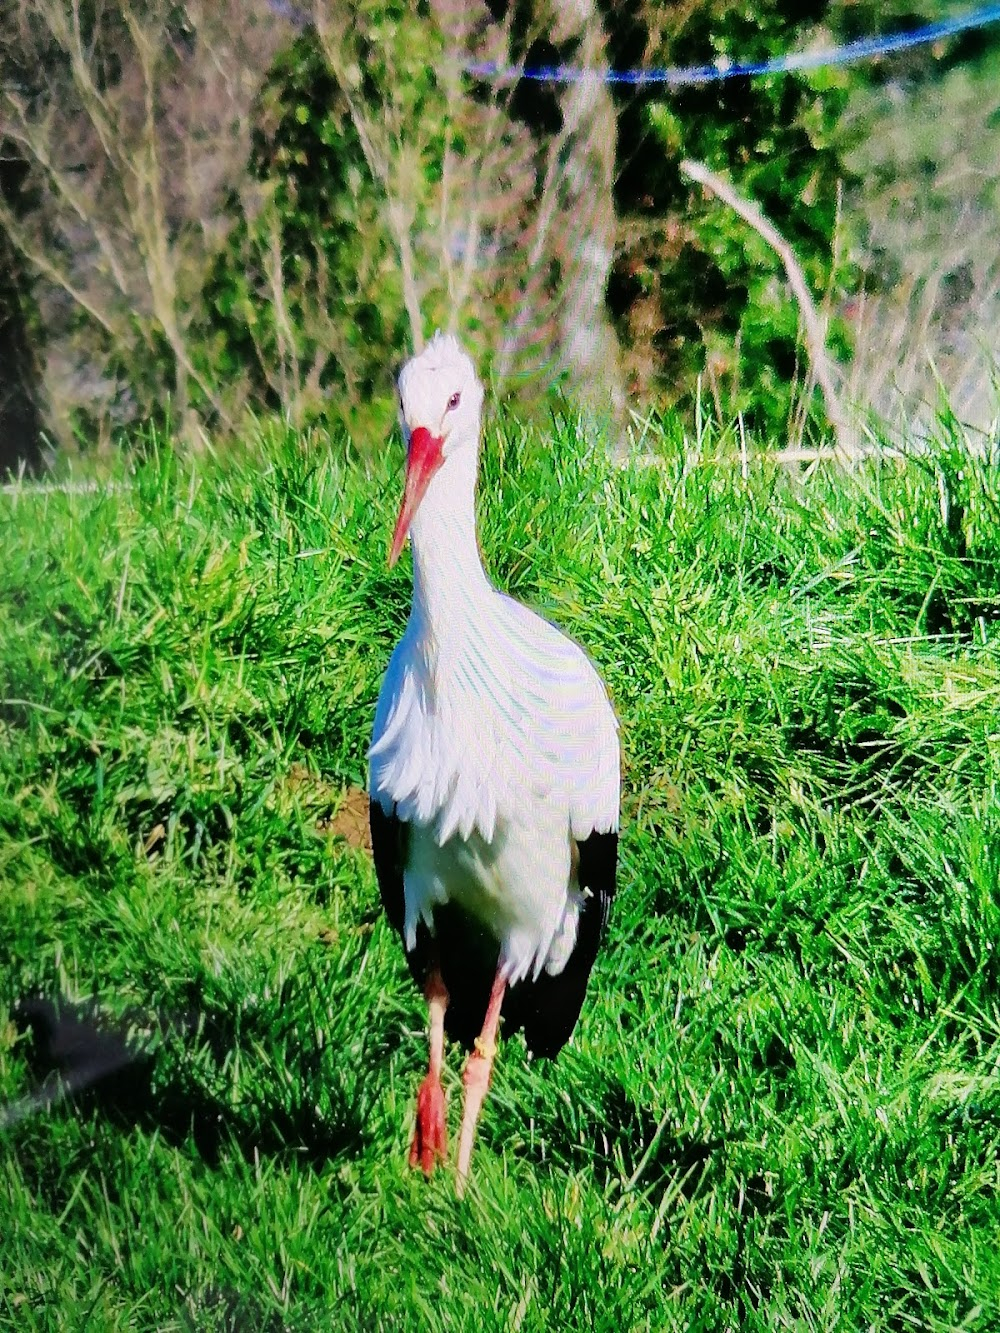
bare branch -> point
(60, 277)
(815, 333)
(129, 135)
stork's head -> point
(440, 404)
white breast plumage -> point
(492, 731)
(493, 772)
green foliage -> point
(308, 292)
(700, 292)
(704, 287)
(315, 248)
(307, 296)
(303, 311)
(781, 1106)
(716, 295)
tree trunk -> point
(20, 415)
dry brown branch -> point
(815, 333)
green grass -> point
(781, 1108)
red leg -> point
(430, 1138)
(477, 1079)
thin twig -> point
(815, 332)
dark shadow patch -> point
(739, 1287)
(78, 1053)
(218, 1309)
(653, 1154)
(617, 1141)
(736, 938)
(20, 391)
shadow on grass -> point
(630, 1137)
(619, 1142)
(219, 1309)
(77, 1052)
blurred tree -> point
(391, 191)
(694, 291)
(20, 414)
(398, 195)
(129, 117)
(925, 226)
(539, 219)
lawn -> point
(781, 1107)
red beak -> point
(423, 458)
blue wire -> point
(865, 48)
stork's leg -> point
(430, 1138)
(477, 1078)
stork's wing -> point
(548, 1008)
(389, 839)
(461, 948)
(524, 718)
(571, 733)
(577, 737)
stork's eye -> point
(454, 401)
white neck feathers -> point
(450, 587)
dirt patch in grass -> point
(351, 820)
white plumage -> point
(497, 756)
(495, 745)
(494, 737)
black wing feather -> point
(389, 846)
(465, 953)
(547, 1009)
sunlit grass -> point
(781, 1107)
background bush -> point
(277, 238)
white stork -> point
(493, 774)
